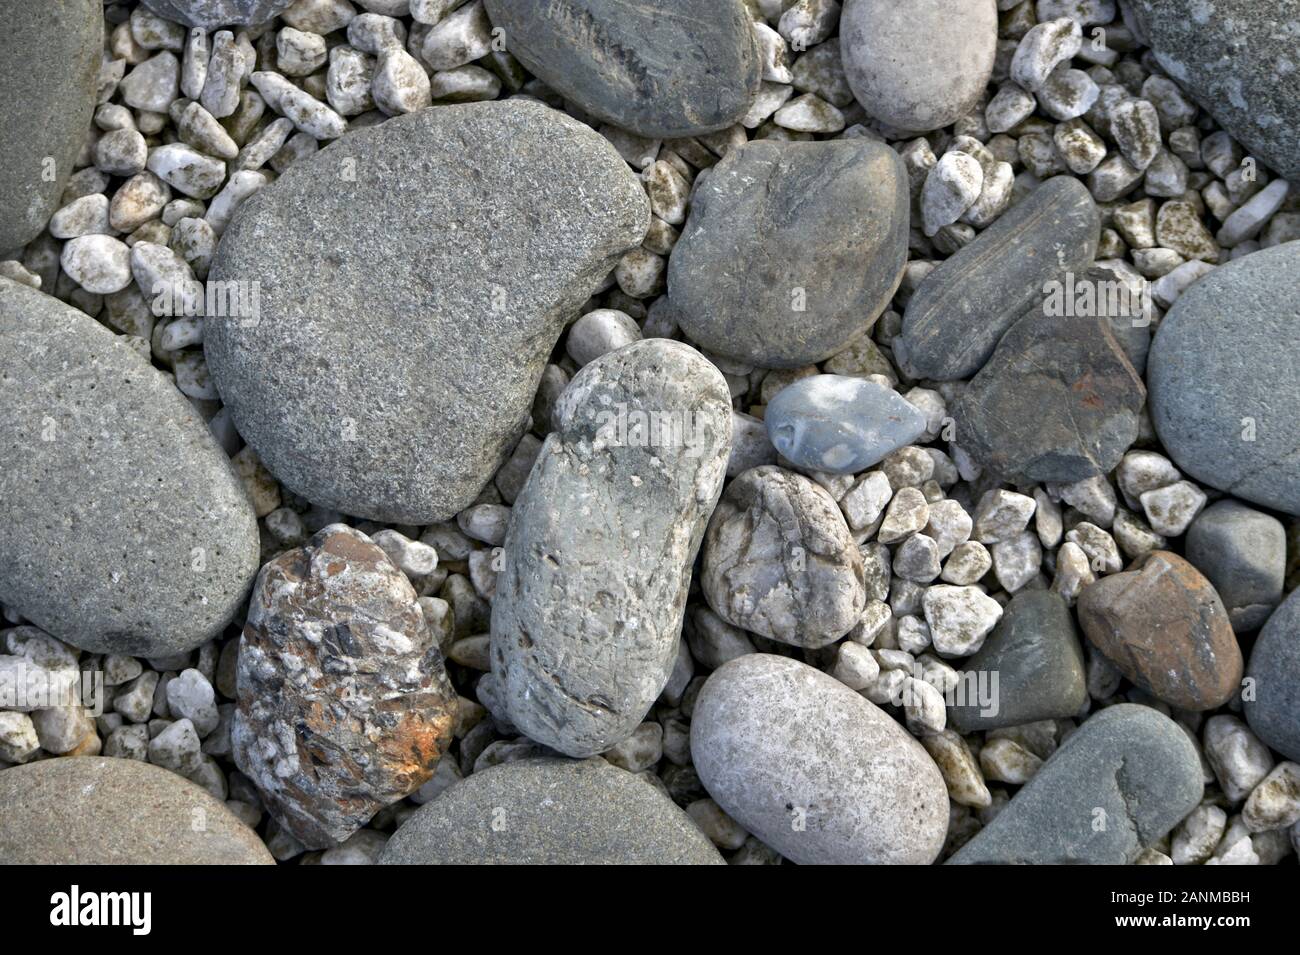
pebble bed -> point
(572, 431)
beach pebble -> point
(1273, 706)
(1242, 552)
(959, 618)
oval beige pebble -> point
(98, 811)
(814, 770)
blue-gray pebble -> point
(1273, 711)
(840, 425)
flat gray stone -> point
(1035, 653)
(49, 68)
(413, 280)
(97, 811)
(1242, 552)
(598, 557)
(920, 65)
(126, 528)
(814, 769)
(1237, 59)
(840, 425)
(791, 250)
(670, 68)
(1274, 668)
(965, 305)
(1225, 383)
(209, 14)
(1116, 786)
(550, 812)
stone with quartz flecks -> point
(332, 238)
(208, 14)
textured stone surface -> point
(791, 250)
(505, 246)
(966, 304)
(840, 425)
(209, 14)
(126, 529)
(1242, 552)
(813, 769)
(99, 811)
(589, 602)
(670, 68)
(1035, 652)
(1058, 401)
(550, 812)
(49, 61)
(1164, 627)
(779, 560)
(919, 65)
(1116, 786)
(344, 705)
(1237, 58)
(1274, 712)
(1225, 385)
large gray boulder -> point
(126, 528)
(98, 811)
(49, 65)
(412, 280)
(791, 250)
(550, 812)
(670, 68)
(589, 603)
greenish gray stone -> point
(88, 810)
(1225, 383)
(1274, 670)
(791, 250)
(413, 278)
(1035, 653)
(1242, 552)
(550, 812)
(965, 305)
(126, 528)
(49, 66)
(669, 68)
(1116, 786)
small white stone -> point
(461, 37)
(1239, 760)
(85, 216)
(1169, 510)
(1001, 515)
(400, 84)
(98, 263)
(598, 332)
(854, 666)
(307, 113)
(1004, 760)
(1197, 836)
(187, 170)
(1073, 572)
(809, 113)
(1275, 802)
(1016, 560)
(951, 188)
(1042, 48)
(959, 618)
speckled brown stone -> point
(1162, 623)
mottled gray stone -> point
(1120, 782)
(1237, 58)
(597, 563)
(126, 528)
(919, 65)
(49, 67)
(670, 68)
(550, 812)
(1225, 383)
(840, 425)
(101, 811)
(792, 249)
(1035, 652)
(965, 305)
(217, 13)
(1274, 669)
(780, 561)
(466, 236)
(813, 769)
(1058, 401)
(1242, 552)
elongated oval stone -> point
(550, 812)
(963, 307)
(627, 480)
(669, 68)
(791, 250)
(210, 14)
(1117, 785)
(410, 282)
(813, 769)
(100, 811)
(1273, 709)
(126, 528)
(919, 65)
(49, 61)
